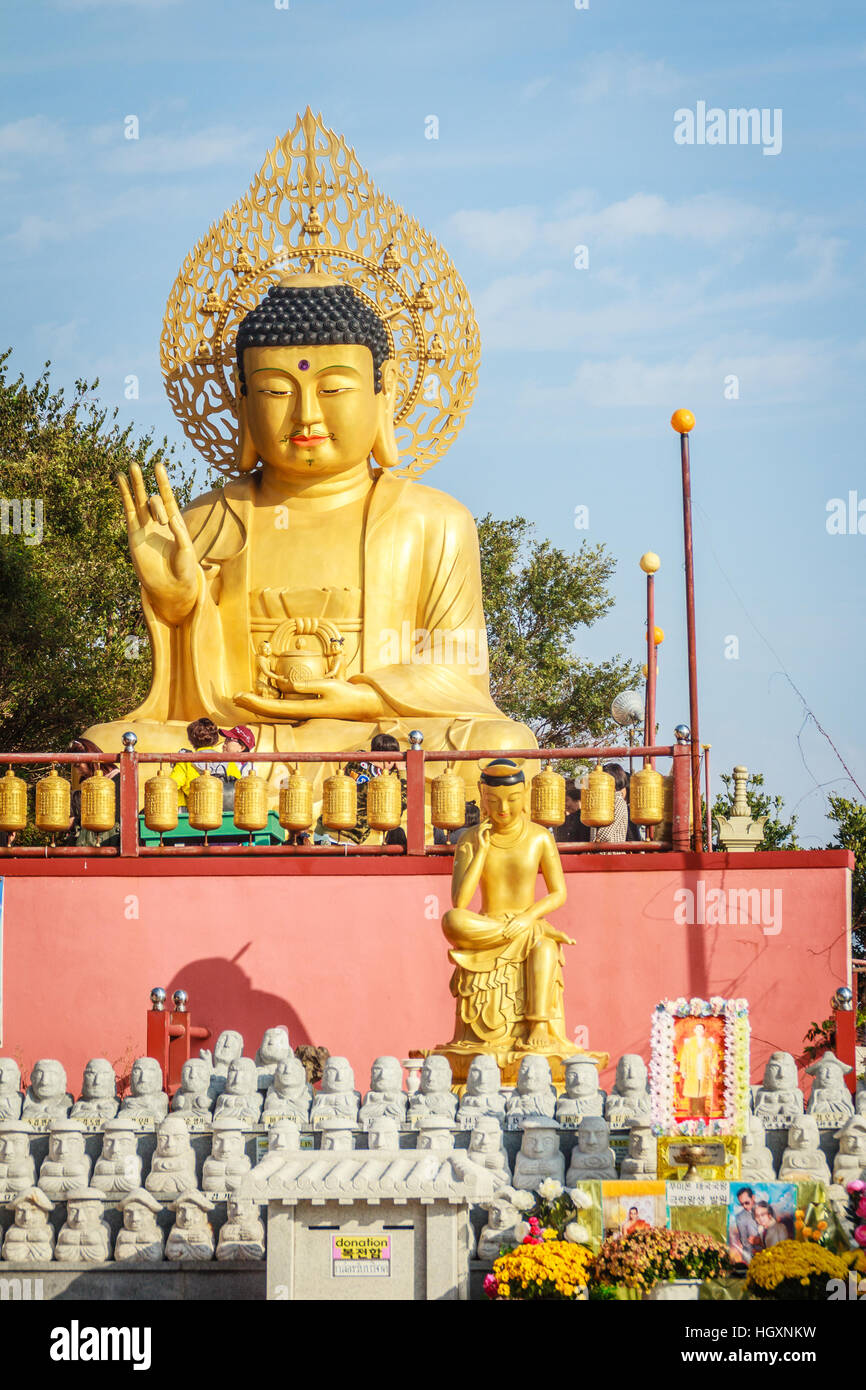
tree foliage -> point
(73, 645)
(778, 833)
(850, 821)
(536, 600)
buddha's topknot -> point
(312, 316)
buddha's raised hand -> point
(160, 544)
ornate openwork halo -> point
(313, 207)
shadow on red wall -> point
(222, 996)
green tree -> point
(73, 645)
(536, 599)
(778, 833)
(850, 820)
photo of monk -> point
(699, 1069)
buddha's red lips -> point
(309, 438)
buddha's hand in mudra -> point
(160, 545)
(318, 699)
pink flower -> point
(856, 1185)
(490, 1285)
(861, 1206)
(860, 1235)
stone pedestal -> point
(391, 1250)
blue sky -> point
(556, 129)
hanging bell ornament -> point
(251, 803)
(98, 804)
(448, 801)
(296, 803)
(646, 797)
(204, 801)
(340, 802)
(52, 803)
(13, 803)
(598, 798)
(160, 803)
(384, 802)
(668, 802)
(548, 798)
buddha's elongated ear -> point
(247, 456)
(385, 450)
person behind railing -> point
(572, 828)
(363, 772)
(77, 834)
(204, 736)
(473, 817)
(617, 831)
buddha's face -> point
(137, 1217)
(479, 1081)
(435, 1076)
(827, 1077)
(501, 1215)
(99, 1080)
(802, 1137)
(854, 1142)
(229, 1046)
(639, 1143)
(339, 1140)
(48, 1079)
(532, 1076)
(337, 1075)
(12, 1146)
(29, 1216)
(281, 1140)
(227, 1143)
(171, 1141)
(241, 1079)
(631, 1073)
(441, 1141)
(189, 1215)
(65, 1144)
(503, 806)
(118, 1144)
(538, 1143)
(275, 1045)
(591, 1139)
(386, 1074)
(383, 1136)
(80, 1214)
(777, 1073)
(10, 1077)
(194, 1077)
(146, 1077)
(240, 1209)
(484, 1141)
(313, 412)
(580, 1079)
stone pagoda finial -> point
(740, 831)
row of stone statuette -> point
(273, 1084)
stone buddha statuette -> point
(17, 1168)
(241, 1099)
(630, 1098)
(229, 1048)
(242, 1236)
(146, 1099)
(85, 1235)
(191, 1237)
(290, 1095)
(483, 1094)
(140, 1240)
(850, 1162)
(778, 1101)
(434, 1096)
(227, 1163)
(487, 1148)
(47, 1096)
(98, 1092)
(284, 1141)
(386, 1095)
(860, 1098)
(534, 1094)
(172, 1168)
(582, 1094)
(337, 1097)
(118, 1168)
(273, 1049)
(194, 1096)
(830, 1101)
(803, 1157)
(756, 1161)
(504, 1226)
(539, 1155)
(640, 1161)
(67, 1167)
(592, 1157)
(10, 1089)
(30, 1238)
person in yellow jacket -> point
(204, 736)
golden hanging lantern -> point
(204, 802)
(448, 801)
(668, 802)
(598, 798)
(52, 803)
(160, 803)
(548, 798)
(251, 803)
(646, 797)
(340, 802)
(98, 803)
(296, 803)
(13, 802)
(384, 801)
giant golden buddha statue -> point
(321, 595)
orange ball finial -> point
(650, 562)
(658, 636)
(682, 421)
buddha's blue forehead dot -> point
(303, 365)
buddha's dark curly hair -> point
(310, 317)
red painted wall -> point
(350, 954)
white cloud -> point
(180, 152)
(33, 137)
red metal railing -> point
(414, 760)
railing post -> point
(844, 1008)
(128, 798)
(415, 840)
(682, 790)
